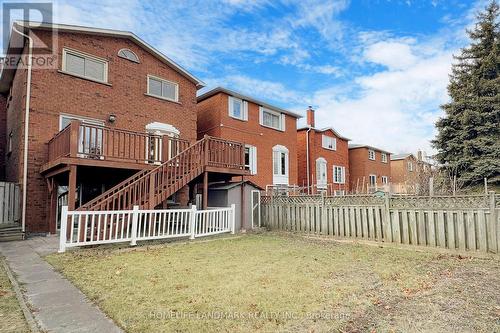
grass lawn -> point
(11, 315)
(270, 282)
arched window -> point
(129, 55)
(280, 165)
(321, 172)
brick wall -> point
(361, 167)
(400, 172)
(54, 93)
(215, 120)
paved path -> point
(57, 305)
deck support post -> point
(72, 197)
(53, 186)
(205, 190)
(243, 205)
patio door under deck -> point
(90, 135)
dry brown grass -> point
(273, 282)
(11, 316)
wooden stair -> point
(149, 188)
(11, 232)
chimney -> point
(310, 116)
(419, 155)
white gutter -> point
(307, 158)
(26, 128)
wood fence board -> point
(450, 230)
(396, 233)
(405, 230)
(441, 240)
(471, 235)
(481, 231)
(431, 228)
(461, 235)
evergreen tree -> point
(468, 140)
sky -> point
(375, 70)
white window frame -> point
(65, 51)
(385, 180)
(136, 60)
(371, 154)
(370, 179)
(321, 163)
(176, 99)
(384, 157)
(410, 166)
(325, 143)
(338, 192)
(342, 174)
(278, 178)
(252, 159)
(282, 118)
(244, 108)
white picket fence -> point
(83, 228)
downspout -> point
(307, 160)
(26, 128)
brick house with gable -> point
(268, 132)
(370, 168)
(113, 106)
(323, 158)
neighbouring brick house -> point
(323, 158)
(408, 172)
(370, 168)
(112, 106)
(268, 132)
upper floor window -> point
(162, 88)
(329, 143)
(338, 174)
(129, 55)
(384, 157)
(85, 65)
(373, 179)
(238, 108)
(272, 119)
(371, 154)
(410, 166)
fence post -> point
(192, 222)
(64, 228)
(233, 215)
(387, 219)
(135, 220)
(495, 228)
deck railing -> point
(148, 188)
(89, 141)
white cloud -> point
(259, 89)
(392, 54)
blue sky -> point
(376, 70)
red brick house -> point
(112, 106)
(323, 158)
(268, 132)
(370, 168)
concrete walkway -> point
(57, 305)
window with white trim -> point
(410, 166)
(338, 174)
(280, 165)
(85, 65)
(321, 172)
(385, 180)
(251, 159)
(238, 108)
(161, 88)
(273, 119)
(373, 179)
(371, 154)
(129, 55)
(384, 158)
(338, 192)
(329, 142)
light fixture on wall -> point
(112, 118)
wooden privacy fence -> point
(9, 203)
(83, 228)
(460, 222)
